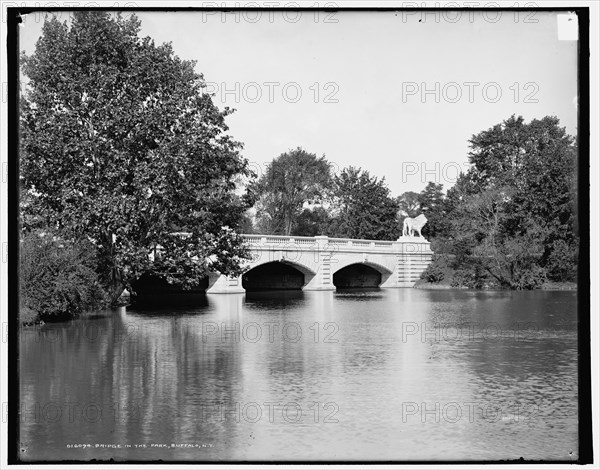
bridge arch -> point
(277, 275)
(361, 274)
(384, 270)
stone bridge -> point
(322, 263)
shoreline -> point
(547, 286)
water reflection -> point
(396, 374)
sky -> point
(396, 93)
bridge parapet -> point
(403, 244)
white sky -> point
(371, 62)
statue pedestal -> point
(414, 255)
(413, 239)
(407, 244)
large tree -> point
(409, 204)
(120, 146)
(290, 181)
(431, 204)
(483, 243)
(364, 207)
(514, 211)
(538, 161)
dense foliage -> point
(436, 270)
(364, 207)
(510, 220)
(290, 181)
(58, 278)
(313, 222)
(121, 147)
(409, 204)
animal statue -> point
(411, 224)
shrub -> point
(57, 277)
(475, 276)
(436, 270)
(531, 278)
(471, 277)
(562, 262)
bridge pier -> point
(221, 284)
(323, 279)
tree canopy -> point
(290, 181)
(431, 204)
(513, 213)
(364, 207)
(121, 146)
(409, 204)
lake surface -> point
(397, 374)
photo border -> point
(584, 274)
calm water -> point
(397, 374)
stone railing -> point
(293, 242)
